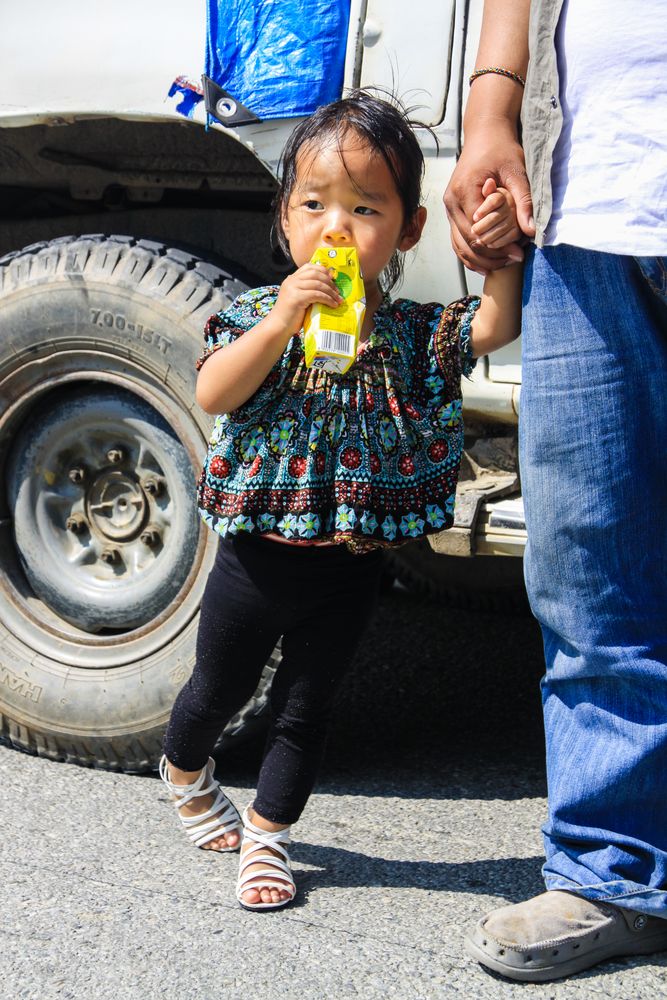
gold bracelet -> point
(500, 72)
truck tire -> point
(102, 556)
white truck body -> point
(102, 557)
(71, 62)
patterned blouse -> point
(369, 458)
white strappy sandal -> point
(277, 876)
(220, 819)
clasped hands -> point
(489, 205)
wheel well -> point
(170, 181)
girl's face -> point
(344, 195)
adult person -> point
(593, 455)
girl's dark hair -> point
(385, 126)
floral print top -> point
(369, 458)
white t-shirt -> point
(609, 171)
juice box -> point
(331, 336)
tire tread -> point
(156, 269)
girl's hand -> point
(491, 151)
(495, 221)
(310, 284)
(232, 374)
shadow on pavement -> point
(512, 878)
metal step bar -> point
(501, 528)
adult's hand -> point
(492, 151)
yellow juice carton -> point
(331, 336)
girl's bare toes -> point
(214, 845)
(274, 895)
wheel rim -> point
(104, 520)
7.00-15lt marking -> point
(117, 321)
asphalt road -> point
(427, 815)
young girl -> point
(309, 474)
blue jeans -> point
(593, 446)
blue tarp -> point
(278, 58)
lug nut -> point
(151, 536)
(109, 555)
(152, 485)
(76, 524)
(77, 474)
(115, 455)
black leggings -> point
(319, 599)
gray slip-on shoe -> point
(559, 933)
